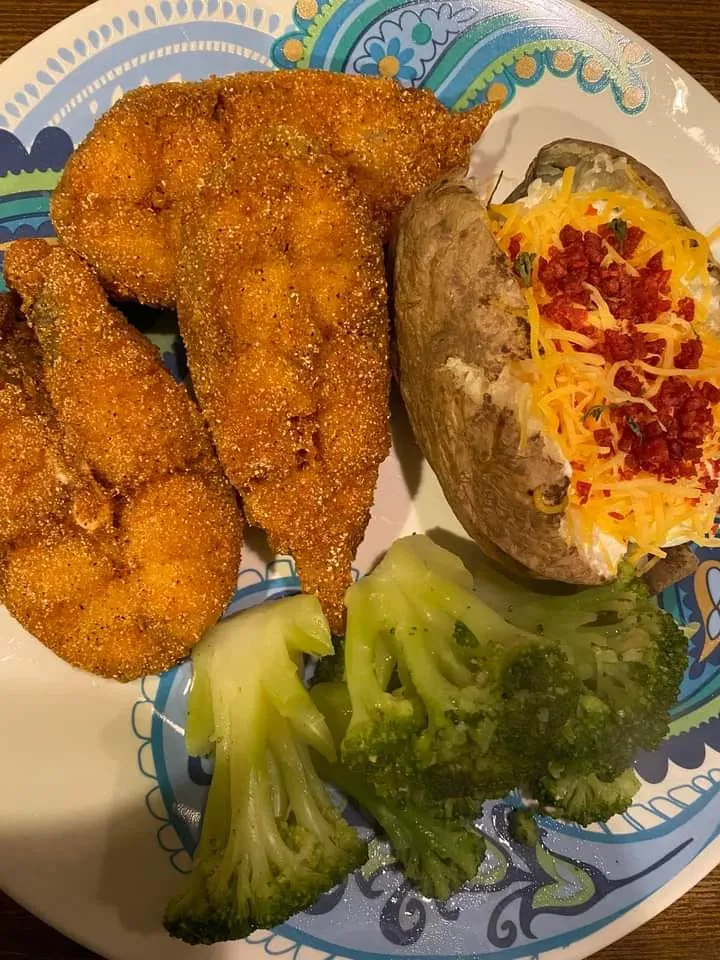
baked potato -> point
(481, 317)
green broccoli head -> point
(540, 693)
(586, 798)
(271, 840)
(630, 656)
(480, 692)
(438, 848)
(424, 660)
(438, 856)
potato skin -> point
(457, 299)
(553, 159)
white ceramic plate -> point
(99, 805)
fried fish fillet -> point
(282, 305)
(120, 201)
(119, 535)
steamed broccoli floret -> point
(271, 841)
(456, 695)
(586, 798)
(437, 854)
(630, 656)
(540, 693)
(424, 660)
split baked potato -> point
(461, 323)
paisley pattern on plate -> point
(525, 902)
(466, 52)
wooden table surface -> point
(689, 32)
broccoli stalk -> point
(271, 840)
(437, 854)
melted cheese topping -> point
(643, 512)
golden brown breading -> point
(120, 409)
(135, 551)
(283, 310)
(133, 600)
(120, 200)
(32, 467)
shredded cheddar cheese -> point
(641, 511)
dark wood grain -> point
(689, 32)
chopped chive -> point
(523, 267)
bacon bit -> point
(577, 466)
(618, 346)
(583, 488)
(711, 393)
(627, 381)
(628, 442)
(655, 264)
(632, 241)
(591, 211)
(652, 348)
(653, 429)
(709, 484)
(689, 354)
(514, 246)
(595, 249)
(570, 236)
(604, 440)
(656, 450)
(565, 313)
(686, 309)
(603, 436)
(615, 515)
(606, 493)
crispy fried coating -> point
(283, 309)
(119, 203)
(123, 412)
(32, 464)
(126, 545)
